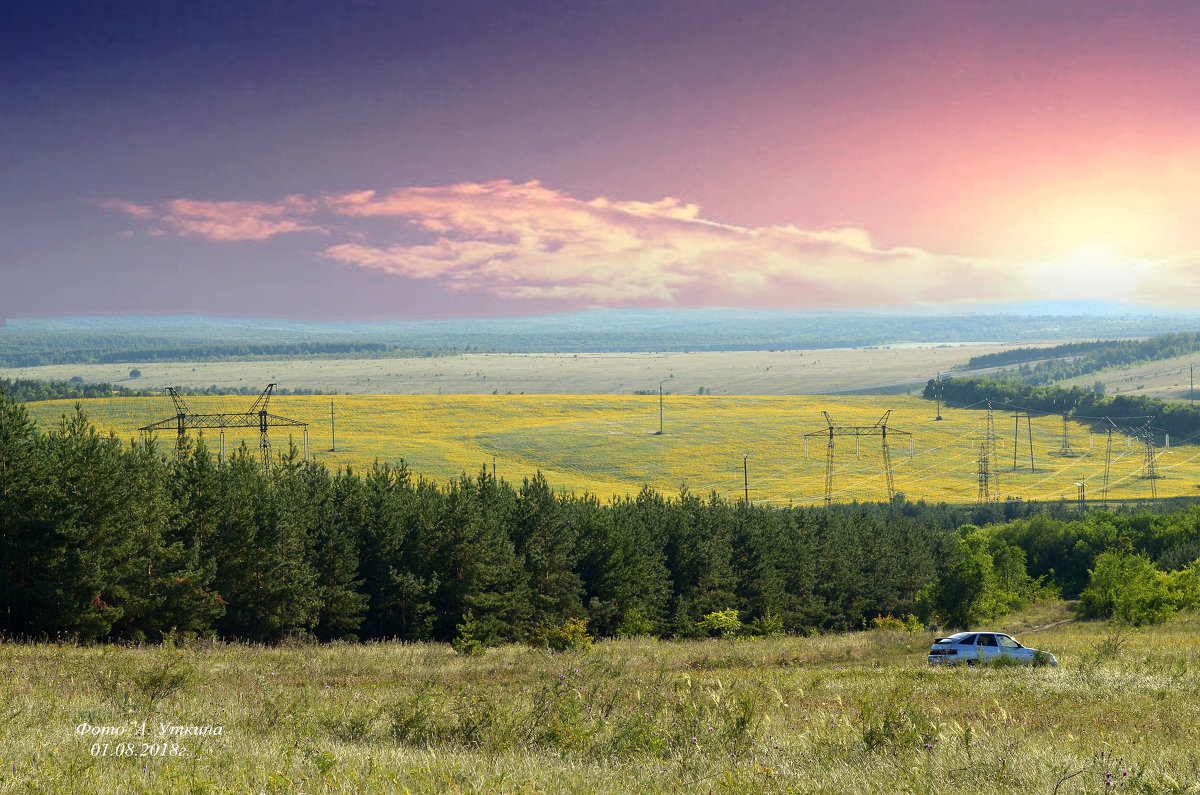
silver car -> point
(984, 647)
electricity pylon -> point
(879, 429)
(984, 474)
(993, 455)
(1107, 463)
(256, 417)
(1150, 467)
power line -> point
(256, 417)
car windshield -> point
(1008, 642)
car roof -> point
(974, 632)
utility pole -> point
(1029, 430)
(660, 407)
(746, 479)
(937, 394)
(1016, 430)
(1191, 383)
(332, 429)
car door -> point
(1012, 648)
(987, 647)
(967, 650)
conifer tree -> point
(547, 542)
(24, 530)
(335, 555)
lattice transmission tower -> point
(1150, 466)
(984, 472)
(992, 453)
(1064, 449)
(880, 429)
(1107, 463)
(256, 417)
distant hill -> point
(28, 342)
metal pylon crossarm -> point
(256, 417)
(834, 429)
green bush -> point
(570, 634)
(768, 625)
(635, 623)
(888, 622)
(1127, 587)
(724, 623)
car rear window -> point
(969, 640)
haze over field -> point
(741, 373)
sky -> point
(379, 160)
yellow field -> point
(608, 444)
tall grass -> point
(847, 713)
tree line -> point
(1046, 365)
(50, 349)
(28, 342)
(1177, 418)
(26, 390)
(103, 540)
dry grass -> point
(850, 713)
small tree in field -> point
(724, 623)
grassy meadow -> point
(861, 712)
(607, 444)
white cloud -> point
(528, 241)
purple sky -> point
(435, 159)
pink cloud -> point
(223, 221)
(529, 241)
(129, 208)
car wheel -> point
(972, 663)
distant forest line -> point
(38, 342)
(1058, 363)
(101, 540)
(1128, 411)
(27, 390)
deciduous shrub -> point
(1128, 587)
(570, 634)
(724, 623)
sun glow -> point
(1091, 272)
